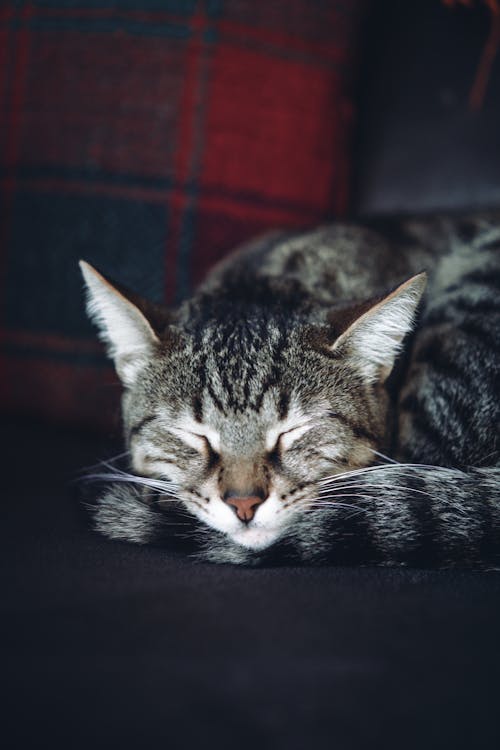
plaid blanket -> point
(150, 137)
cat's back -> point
(330, 264)
(336, 263)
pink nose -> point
(245, 506)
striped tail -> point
(404, 514)
(394, 514)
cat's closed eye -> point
(201, 441)
(285, 439)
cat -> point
(260, 415)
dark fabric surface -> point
(109, 645)
(150, 137)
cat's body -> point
(262, 400)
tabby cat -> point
(260, 415)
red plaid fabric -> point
(150, 137)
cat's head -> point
(246, 412)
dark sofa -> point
(110, 645)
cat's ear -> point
(128, 334)
(374, 338)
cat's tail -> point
(404, 514)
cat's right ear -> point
(127, 333)
(374, 337)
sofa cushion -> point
(150, 138)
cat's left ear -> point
(374, 338)
(128, 333)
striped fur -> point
(292, 340)
(393, 515)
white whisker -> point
(370, 486)
(165, 487)
(105, 462)
(386, 458)
(396, 468)
(164, 482)
(336, 504)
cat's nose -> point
(245, 507)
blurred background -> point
(150, 137)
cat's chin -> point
(256, 538)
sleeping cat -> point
(258, 414)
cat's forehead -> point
(237, 425)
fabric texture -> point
(114, 646)
(150, 137)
